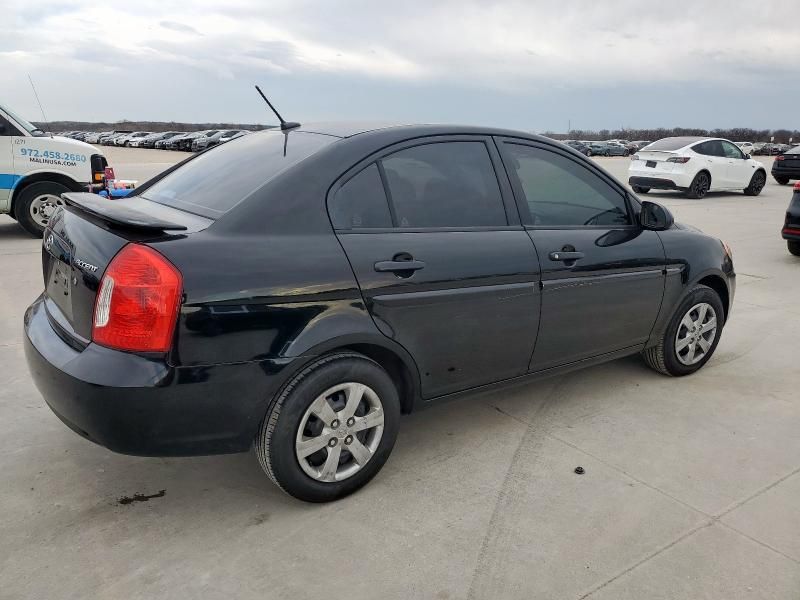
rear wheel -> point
(37, 203)
(691, 336)
(757, 184)
(699, 186)
(794, 248)
(331, 429)
(640, 190)
(782, 180)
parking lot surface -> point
(690, 488)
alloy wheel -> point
(339, 432)
(759, 180)
(700, 185)
(696, 333)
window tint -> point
(561, 192)
(213, 182)
(671, 143)
(361, 202)
(709, 148)
(731, 151)
(447, 184)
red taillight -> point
(678, 159)
(797, 186)
(779, 157)
(137, 304)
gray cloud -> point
(412, 59)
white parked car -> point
(747, 147)
(36, 168)
(695, 166)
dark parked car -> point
(791, 226)
(185, 142)
(786, 166)
(151, 140)
(207, 141)
(299, 291)
(575, 144)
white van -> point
(36, 168)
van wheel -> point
(794, 248)
(37, 203)
(691, 336)
(699, 186)
(757, 184)
(331, 429)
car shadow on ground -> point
(111, 483)
(11, 230)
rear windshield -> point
(795, 150)
(675, 143)
(215, 181)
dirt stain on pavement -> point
(141, 497)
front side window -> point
(444, 184)
(731, 151)
(563, 193)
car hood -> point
(685, 227)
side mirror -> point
(655, 217)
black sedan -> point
(791, 226)
(298, 290)
(786, 166)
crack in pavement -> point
(483, 584)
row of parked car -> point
(607, 147)
(193, 141)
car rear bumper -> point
(790, 172)
(655, 183)
(142, 406)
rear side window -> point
(710, 148)
(214, 182)
(562, 193)
(361, 202)
(444, 184)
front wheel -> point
(699, 186)
(37, 203)
(331, 429)
(794, 248)
(691, 336)
(757, 184)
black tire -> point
(640, 190)
(757, 183)
(626, 153)
(699, 186)
(794, 248)
(607, 154)
(23, 204)
(275, 441)
(663, 357)
(782, 180)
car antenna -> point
(46, 124)
(285, 125)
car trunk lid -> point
(81, 241)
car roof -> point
(345, 129)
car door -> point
(602, 274)
(712, 158)
(443, 263)
(7, 176)
(739, 171)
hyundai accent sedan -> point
(298, 290)
(695, 166)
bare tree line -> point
(737, 134)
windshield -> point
(29, 127)
(214, 182)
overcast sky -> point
(531, 65)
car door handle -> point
(566, 256)
(384, 266)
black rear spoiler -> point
(119, 213)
